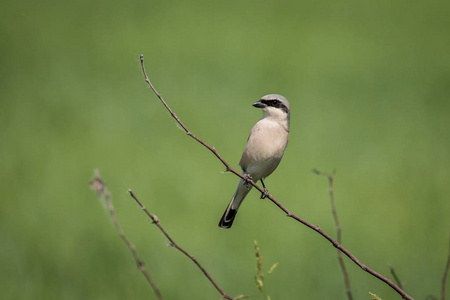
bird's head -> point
(274, 106)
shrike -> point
(264, 150)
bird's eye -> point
(271, 102)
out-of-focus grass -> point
(368, 86)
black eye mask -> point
(276, 103)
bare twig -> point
(156, 221)
(394, 274)
(444, 276)
(99, 186)
(274, 201)
(330, 177)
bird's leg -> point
(247, 178)
(266, 192)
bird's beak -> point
(259, 104)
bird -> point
(265, 147)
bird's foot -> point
(247, 178)
(265, 194)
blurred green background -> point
(369, 87)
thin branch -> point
(274, 201)
(99, 186)
(394, 274)
(444, 276)
(330, 177)
(156, 221)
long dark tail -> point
(232, 208)
(228, 218)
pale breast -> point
(265, 147)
